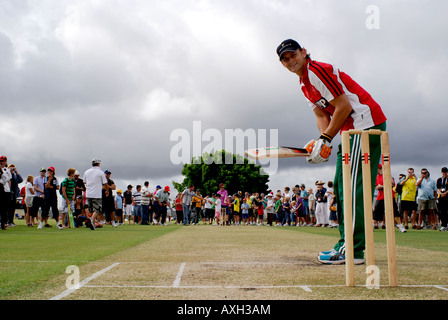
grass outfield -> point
(209, 262)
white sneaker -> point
(329, 252)
(336, 259)
(41, 225)
(401, 228)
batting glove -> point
(319, 149)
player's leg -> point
(357, 198)
(357, 192)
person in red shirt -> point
(378, 212)
(339, 103)
(179, 210)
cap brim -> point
(286, 50)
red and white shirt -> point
(324, 82)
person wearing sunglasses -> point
(426, 199)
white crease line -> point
(84, 282)
(307, 288)
(176, 282)
(440, 287)
(196, 262)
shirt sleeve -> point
(103, 178)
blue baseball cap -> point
(287, 46)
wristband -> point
(326, 137)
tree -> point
(235, 171)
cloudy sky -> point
(114, 79)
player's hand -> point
(320, 149)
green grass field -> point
(209, 262)
(30, 257)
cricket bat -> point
(70, 217)
(276, 152)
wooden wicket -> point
(368, 212)
(223, 219)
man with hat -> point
(321, 205)
(426, 199)
(51, 196)
(38, 200)
(95, 181)
(270, 209)
(408, 198)
(339, 104)
(161, 201)
(119, 206)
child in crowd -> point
(236, 209)
(286, 212)
(245, 212)
(300, 212)
(29, 196)
(179, 209)
(209, 206)
(333, 214)
(119, 206)
(312, 206)
(217, 209)
(260, 211)
(293, 216)
(278, 210)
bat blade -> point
(276, 152)
(70, 217)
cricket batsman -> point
(339, 104)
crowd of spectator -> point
(288, 207)
(420, 202)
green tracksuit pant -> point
(357, 189)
